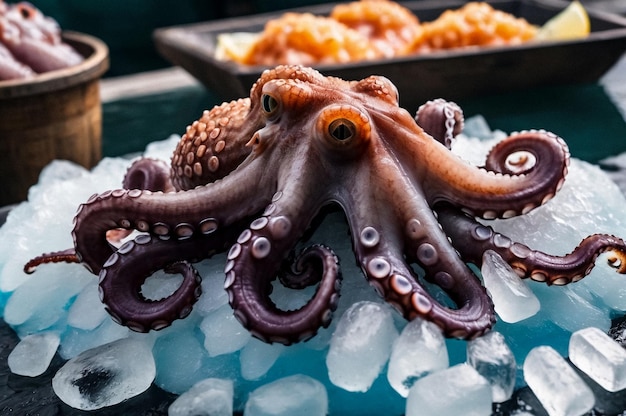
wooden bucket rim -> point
(96, 62)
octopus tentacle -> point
(444, 177)
(296, 275)
(419, 237)
(442, 119)
(221, 204)
(388, 273)
(123, 274)
(524, 171)
(149, 174)
(63, 256)
(254, 260)
(473, 239)
(125, 271)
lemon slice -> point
(571, 23)
(234, 46)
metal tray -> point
(451, 74)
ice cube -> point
(491, 356)
(257, 357)
(42, 301)
(581, 312)
(512, 298)
(105, 375)
(360, 346)
(33, 354)
(458, 390)
(208, 397)
(419, 350)
(294, 395)
(600, 357)
(87, 312)
(179, 358)
(555, 383)
(213, 294)
(161, 285)
(223, 334)
(76, 341)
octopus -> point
(31, 43)
(252, 176)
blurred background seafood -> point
(31, 43)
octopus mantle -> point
(251, 175)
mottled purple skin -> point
(252, 174)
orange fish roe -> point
(370, 29)
(302, 38)
(475, 24)
(389, 26)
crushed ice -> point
(369, 359)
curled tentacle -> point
(525, 170)
(255, 261)
(148, 174)
(442, 119)
(301, 272)
(473, 239)
(125, 272)
(444, 177)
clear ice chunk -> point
(42, 300)
(512, 298)
(419, 350)
(87, 312)
(458, 390)
(581, 312)
(33, 354)
(257, 357)
(360, 346)
(179, 359)
(555, 383)
(223, 334)
(213, 294)
(208, 397)
(491, 356)
(76, 341)
(294, 395)
(105, 375)
(161, 285)
(600, 357)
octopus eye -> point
(342, 129)
(269, 103)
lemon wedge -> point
(234, 46)
(571, 23)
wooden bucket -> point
(56, 115)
